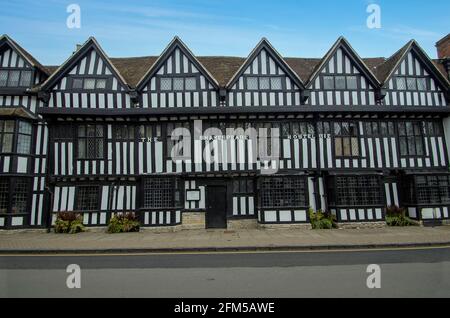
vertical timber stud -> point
(318, 167)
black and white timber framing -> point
(101, 140)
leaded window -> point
(411, 138)
(161, 193)
(150, 132)
(427, 189)
(6, 135)
(422, 84)
(411, 83)
(340, 82)
(346, 143)
(87, 198)
(264, 83)
(191, 83)
(401, 83)
(14, 195)
(275, 83)
(89, 83)
(24, 138)
(90, 142)
(15, 78)
(124, 132)
(284, 192)
(352, 191)
(178, 83)
(352, 82)
(379, 129)
(434, 129)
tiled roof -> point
(222, 68)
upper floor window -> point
(411, 83)
(346, 139)
(90, 142)
(89, 83)
(340, 82)
(434, 128)
(24, 138)
(124, 132)
(15, 78)
(178, 83)
(264, 83)
(379, 129)
(411, 138)
(8, 130)
(150, 132)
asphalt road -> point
(404, 273)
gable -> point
(263, 81)
(342, 81)
(90, 65)
(178, 80)
(87, 80)
(412, 84)
(10, 58)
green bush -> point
(321, 220)
(396, 216)
(123, 222)
(69, 222)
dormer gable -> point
(178, 79)
(342, 79)
(83, 69)
(412, 79)
(265, 79)
(87, 79)
(18, 69)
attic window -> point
(178, 84)
(15, 78)
(411, 83)
(264, 83)
(89, 83)
(340, 82)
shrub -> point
(396, 216)
(69, 222)
(321, 220)
(123, 222)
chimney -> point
(443, 47)
(77, 47)
(443, 51)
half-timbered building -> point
(216, 142)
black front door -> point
(216, 207)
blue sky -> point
(229, 27)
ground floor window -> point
(14, 195)
(354, 191)
(426, 189)
(284, 192)
(87, 198)
(161, 193)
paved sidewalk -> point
(208, 240)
